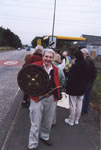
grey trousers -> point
(41, 117)
(75, 103)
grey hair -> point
(49, 51)
(38, 48)
(57, 58)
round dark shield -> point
(33, 80)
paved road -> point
(8, 79)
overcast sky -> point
(30, 18)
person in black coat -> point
(92, 75)
(78, 79)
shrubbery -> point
(6, 48)
(96, 92)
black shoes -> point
(47, 142)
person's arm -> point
(61, 77)
(62, 65)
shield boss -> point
(33, 80)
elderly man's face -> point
(48, 58)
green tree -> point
(8, 38)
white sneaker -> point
(76, 122)
(68, 122)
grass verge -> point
(96, 93)
(2, 49)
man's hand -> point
(46, 95)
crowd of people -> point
(75, 74)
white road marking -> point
(10, 62)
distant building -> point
(93, 44)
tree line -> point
(9, 39)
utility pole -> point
(52, 41)
(53, 19)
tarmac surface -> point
(14, 131)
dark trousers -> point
(26, 96)
(87, 98)
(26, 100)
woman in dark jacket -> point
(77, 82)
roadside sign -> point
(38, 41)
(52, 42)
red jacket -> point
(56, 80)
(35, 58)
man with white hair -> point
(85, 52)
(42, 112)
(92, 75)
